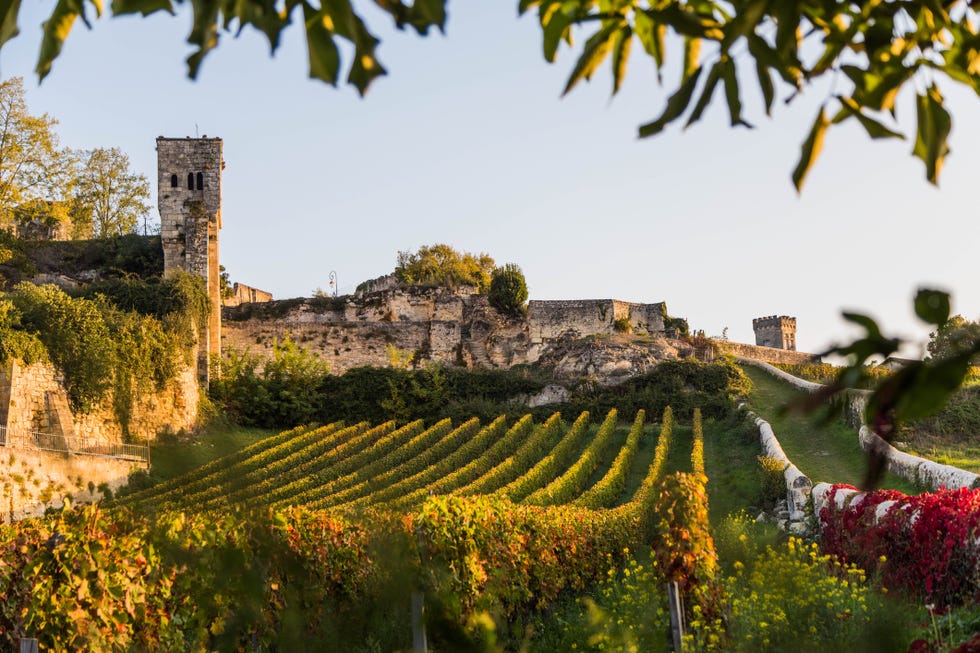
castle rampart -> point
(439, 324)
(550, 320)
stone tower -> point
(189, 200)
(775, 331)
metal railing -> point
(73, 445)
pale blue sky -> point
(467, 141)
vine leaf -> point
(731, 93)
(651, 35)
(932, 306)
(204, 33)
(874, 128)
(596, 49)
(811, 149)
(142, 7)
(621, 53)
(323, 54)
(709, 88)
(8, 19)
(56, 29)
(934, 124)
(676, 105)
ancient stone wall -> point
(32, 398)
(766, 354)
(437, 324)
(242, 294)
(550, 320)
(32, 480)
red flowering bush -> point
(927, 545)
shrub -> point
(792, 598)
(508, 290)
(622, 325)
(683, 384)
(925, 545)
(441, 265)
(285, 393)
(772, 483)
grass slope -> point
(825, 452)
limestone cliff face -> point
(608, 360)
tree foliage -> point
(108, 195)
(33, 169)
(953, 337)
(508, 289)
(441, 265)
(104, 349)
(871, 49)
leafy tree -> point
(224, 279)
(108, 194)
(872, 50)
(441, 265)
(32, 167)
(955, 336)
(47, 219)
(508, 289)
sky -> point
(468, 141)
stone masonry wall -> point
(32, 480)
(436, 323)
(550, 320)
(356, 331)
(766, 354)
(242, 294)
(36, 400)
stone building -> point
(774, 331)
(189, 200)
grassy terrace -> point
(824, 452)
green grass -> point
(827, 453)
(171, 457)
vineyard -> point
(549, 534)
(492, 521)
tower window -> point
(200, 181)
(190, 181)
(173, 181)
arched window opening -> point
(190, 181)
(173, 181)
(200, 181)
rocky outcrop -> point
(608, 360)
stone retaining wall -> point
(798, 485)
(918, 470)
(766, 354)
(32, 398)
(33, 480)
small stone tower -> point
(775, 331)
(189, 200)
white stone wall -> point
(798, 485)
(918, 470)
